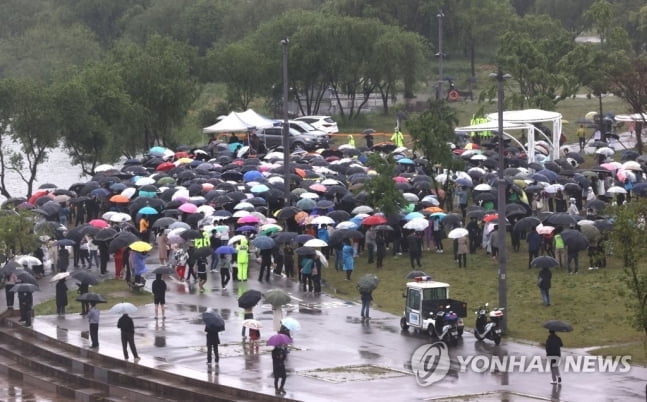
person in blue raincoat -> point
(348, 256)
(139, 265)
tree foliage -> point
(432, 131)
(16, 235)
(380, 189)
(628, 240)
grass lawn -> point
(592, 301)
(114, 291)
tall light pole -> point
(501, 198)
(440, 17)
(286, 124)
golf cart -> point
(429, 308)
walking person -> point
(366, 296)
(202, 273)
(190, 262)
(93, 320)
(248, 314)
(348, 257)
(266, 265)
(560, 247)
(572, 256)
(380, 249)
(180, 256)
(225, 269)
(370, 243)
(213, 340)
(534, 244)
(437, 233)
(61, 297)
(10, 280)
(414, 244)
(83, 288)
(159, 295)
(278, 367)
(288, 260)
(544, 282)
(26, 303)
(461, 251)
(163, 247)
(307, 265)
(581, 136)
(242, 259)
(553, 353)
(127, 327)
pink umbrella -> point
(318, 188)
(545, 230)
(99, 223)
(611, 165)
(188, 208)
(248, 219)
(400, 179)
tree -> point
(16, 235)
(160, 80)
(380, 189)
(628, 238)
(600, 17)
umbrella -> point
(147, 211)
(123, 239)
(544, 261)
(225, 250)
(85, 277)
(164, 222)
(279, 340)
(99, 223)
(526, 224)
(140, 246)
(105, 234)
(362, 209)
(190, 234)
(560, 218)
(26, 277)
(575, 240)
(277, 297)
(123, 308)
(414, 274)
(305, 251)
(315, 243)
(323, 220)
(236, 239)
(65, 242)
(9, 268)
(59, 276)
(591, 232)
(263, 242)
(284, 237)
(203, 252)
(339, 235)
(291, 324)
(417, 224)
(374, 220)
(24, 287)
(28, 260)
(457, 233)
(249, 299)
(91, 297)
(213, 320)
(252, 324)
(163, 270)
(120, 217)
(302, 238)
(558, 326)
(368, 282)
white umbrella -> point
(315, 243)
(28, 260)
(541, 229)
(244, 206)
(346, 225)
(616, 190)
(123, 308)
(323, 220)
(483, 187)
(236, 239)
(411, 197)
(478, 157)
(179, 225)
(311, 196)
(59, 276)
(322, 258)
(605, 151)
(585, 222)
(119, 217)
(431, 199)
(631, 165)
(106, 216)
(103, 168)
(144, 181)
(417, 224)
(553, 188)
(362, 209)
(241, 213)
(207, 210)
(457, 233)
(129, 192)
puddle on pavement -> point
(503, 396)
(342, 374)
(369, 355)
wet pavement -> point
(335, 356)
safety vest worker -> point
(397, 138)
(351, 140)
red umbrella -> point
(99, 223)
(490, 218)
(164, 166)
(400, 179)
(37, 195)
(374, 220)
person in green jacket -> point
(397, 138)
(560, 248)
(351, 140)
(242, 259)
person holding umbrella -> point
(26, 302)
(307, 265)
(278, 367)
(93, 319)
(242, 259)
(61, 297)
(543, 281)
(10, 281)
(159, 295)
(127, 327)
(366, 296)
(83, 288)
(213, 340)
(553, 353)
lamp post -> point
(286, 124)
(440, 17)
(501, 198)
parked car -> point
(324, 123)
(303, 127)
(273, 137)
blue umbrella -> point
(439, 215)
(259, 188)
(157, 151)
(147, 194)
(264, 242)
(118, 186)
(252, 175)
(100, 192)
(306, 204)
(406, 161)
(413, 215)
(464, 182)
(65, 242)
(246, 228)
(225, 250)
(147, 211)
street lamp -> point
(440, 17)
(286, 124)
(501, 199)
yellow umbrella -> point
(140, 246)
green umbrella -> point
(368, 282)
(277, 297)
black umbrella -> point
(85, 277)
(339, 215)
(384, 227)
(526, 224)
(163, 270)
(123, 239)
(452, 219)
(91, 297)
(575, 240)
(544, 262)
(475, 212)
(76, 233)
(213, 320)
(249, 299)
(560, 219)
(9, 268)
(65, 242)
(105, 234)
(596, 204)
(368, 282)
(203, 252)
(302, 238)
(284, 237)
(190, 234)
(26, 277)
(515, 210)
(558, 326)
(340, 235)
(24, 287)
(414, 274)
(603, 225)
(305, 251)
(164, 222)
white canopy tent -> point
(631, 117)
(494, 126)
(529, 116)
(239, 121)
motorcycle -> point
(491, 329)
(445, 326)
